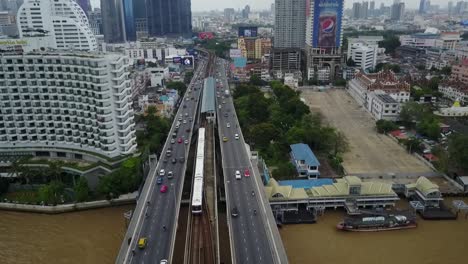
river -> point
(432, 242)
(94, 236)
(83, 237)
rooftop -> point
(302, 151)
(386, 99)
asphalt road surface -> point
(248, 230)
(162, 209)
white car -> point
(186, 141)
(238, 175)
(220, 106)
(162, 172)
(228, 125)
(185, 121)
(236, 136)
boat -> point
(377, 223)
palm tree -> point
(55, 169)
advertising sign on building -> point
(235, 53)
(205, 35)
(327, 23)
(176, 60)
(187, 61)
(240, 62)
(248, 32)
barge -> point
(375, 223)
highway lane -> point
(248, 230)
(162, 209)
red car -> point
(179, 140)
(246, 173)
(163, 189)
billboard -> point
(235, 53)
(205, 35)
(248, 32)
(327, 23)
(187, 61)
(176, 60)
(240, 62)
(464, 23)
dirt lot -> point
(371, 154)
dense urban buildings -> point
(169, 17)
(58, 24)
(290, 21)
(60, 102)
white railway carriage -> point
(197, 188)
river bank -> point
(431, 242)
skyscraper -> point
(229, 14)
(129, 20)
(356, 10)
(140, 17)
(450, 7)
(398, 10)
(85, 5)
(169, 17)
(290, 22)
(324, 38)
(363, 13)
(246, 11)
(113, 23)
(58, 24)
(424, 6)
(372, 9)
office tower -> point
(372, 9)
(129, 20)
(140, 18)
(113, 23)
(59, 24)
(246, 11)
(290, 21)
(398, 10)
(356, 10)
(229, 14)
(272, 9)
(450, 7)
(424, 6)
(363, 12)
(85, 5)
(65, 103)
(95, 21)
(169, 18)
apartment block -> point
(79, 102)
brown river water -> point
(94, 237)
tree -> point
(52, 192)
(413, 145)
(255, 80)
(458, 151)
(350, 62)
(434, 83)
(390, 44)
(340, 82)
(262, 134)
(81, 190)
(284, 170)
(4, 184)
(55, 170)
(447, 70)
(188, 77)
(385, 126)
(179, 86)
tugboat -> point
(377, 223)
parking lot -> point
(371, 154)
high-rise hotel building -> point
(58, 24)
(66, 102)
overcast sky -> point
(205, 5)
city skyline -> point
(207, 5)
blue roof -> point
(302, 151)
(164, 98)
(306, 184)
(208, 100)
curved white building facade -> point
(71, 101)
(57, 24)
